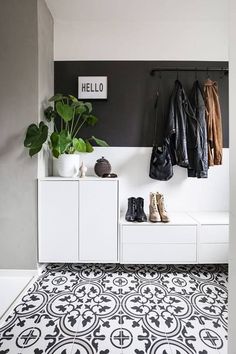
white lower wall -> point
(181, 193)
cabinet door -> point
(98, 221)
(58, 221)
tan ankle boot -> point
(161, 207)
(154, 215)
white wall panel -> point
(187, 40)
(140, 30)
(181, 193)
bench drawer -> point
(158, 234)
(158, 253)
(213, 253)
(214, 234)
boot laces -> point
(154, 202)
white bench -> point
(188, 238)
(212, 236)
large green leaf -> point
(73, 99)
(91, 120)
(60, 142)
(34, 151)
(89, 147)
(49, 113)
(65, 111)
(89, 106)
(64, 141)
(54, 139)
(36, 137)
(55, 144)
(99, 141)
(81, 109)
(79, 145)
(75, 104)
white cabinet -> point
(78, 220)
(98, 221)
(58, 221)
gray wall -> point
(19, 106)
(45, 75)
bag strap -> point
(156, 111)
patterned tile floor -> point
(121, 309)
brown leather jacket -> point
(214, 123)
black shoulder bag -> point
(160, 164)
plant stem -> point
(75, 126)
(55, 126)
(72, 122)
(79, 127)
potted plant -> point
(68, 116)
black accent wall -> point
(126, 118)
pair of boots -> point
(135, 210)
(157, 211)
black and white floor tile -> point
(121, 309)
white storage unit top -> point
(211, 217)
(176, 218)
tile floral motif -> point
(121, 309)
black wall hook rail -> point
(224, 70)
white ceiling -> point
(138, 10)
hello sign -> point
(92, 87)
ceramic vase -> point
(67, 165)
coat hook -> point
(177, 72)
(196, 74)
(223, 73)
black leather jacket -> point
(180, 115)
(197, 135)
(186, 130)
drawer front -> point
(158, 253)
(214, 233)
(159, 234)
(209, 253)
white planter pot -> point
(67, 165)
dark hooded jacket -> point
(179, 117)
(197, 135)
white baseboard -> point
(18, 272)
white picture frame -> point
(92, 87)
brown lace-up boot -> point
(161, 207)
(154, 215)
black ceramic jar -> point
(102, 166)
